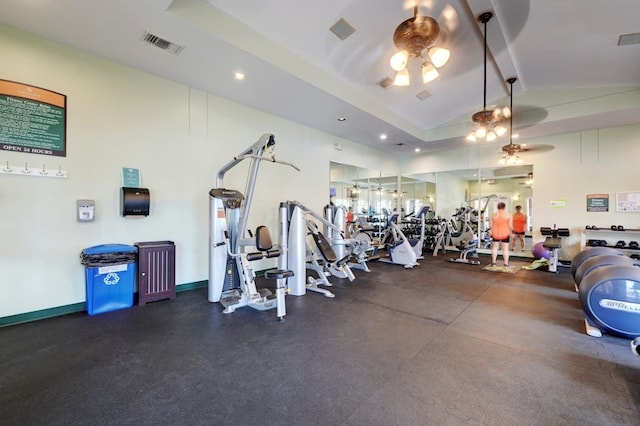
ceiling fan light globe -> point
(399, 60)
(481, 132)
(471, 137)
(439, 56)
(402, 78)
(500, 130)
(429, 72)
(491, 136)
(506, 112)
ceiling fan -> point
(511, 150)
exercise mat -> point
(499, 268)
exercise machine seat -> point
(277, 274)
(552, 243)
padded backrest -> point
(324, 247)
(263, 238)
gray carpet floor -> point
(440, 344)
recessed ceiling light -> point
(238, 76)
(342, 119)
(383, 136)
(416, 150)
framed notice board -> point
(32, 120)
(628, 201)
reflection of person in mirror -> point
(519, 228)
(349, 221)
(500, 233)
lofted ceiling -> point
(572, 74)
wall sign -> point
(32, 120)
(597, 202)
(130, 177)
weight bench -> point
(466, 249)
(331, 264)
(553, 243)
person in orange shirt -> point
(349, 222)
(501, 224)
(519, 228)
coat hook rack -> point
(6, 169)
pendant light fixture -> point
(510, 152)
(488, 121)
(414, 38)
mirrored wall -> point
(483, 189)
(368, 192)
(375, 193)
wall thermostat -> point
(86, 210)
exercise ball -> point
(540, 252)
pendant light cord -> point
(484, 104)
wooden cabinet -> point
(156, 271)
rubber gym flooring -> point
(441, 344)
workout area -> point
(202, 227)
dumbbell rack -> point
(611, 238)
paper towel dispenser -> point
(134, 201)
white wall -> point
(177, 136)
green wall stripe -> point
(74, 308)
(42, 314)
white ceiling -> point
(571, 73)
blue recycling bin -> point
(110, 274)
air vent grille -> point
(626, 39)
(423, 95)
(385, 82)
(162, 43)
(342, 29)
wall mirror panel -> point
(468, 198)
(464, 198)
(369, 192)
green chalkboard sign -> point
(597, 202)
(32, 119)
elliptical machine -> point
(400, 251)
(231, 276)
(418, 244)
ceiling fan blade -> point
(448, 18)
(536, 148)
